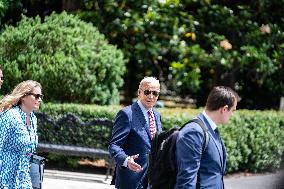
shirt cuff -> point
(125, 162)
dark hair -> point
(221, 96)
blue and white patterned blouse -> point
(17, 142)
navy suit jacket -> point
(191, 162)
(130, 136)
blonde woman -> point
(18, 137)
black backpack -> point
(162, 163)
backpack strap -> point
(205, 131)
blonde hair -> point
(19, 91)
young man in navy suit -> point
(198, 168)
(132, 132)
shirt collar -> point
(144, 110)
(211, 123)
(24, 115)
(143, 107)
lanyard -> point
(30, 129)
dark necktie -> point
(217, 132)
(221, 143)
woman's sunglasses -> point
(148, 92)
(37, 96)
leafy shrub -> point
(253, 139)
(69, 57)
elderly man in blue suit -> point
(198, 168)
(133, 129)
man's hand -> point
(132, 165)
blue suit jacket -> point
(210, 166)
(130, 136)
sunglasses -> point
(148, 92)
(37, 96)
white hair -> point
(152, 80)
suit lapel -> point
(157, 121)
(224, 155)
(218, 143)
(141, 118)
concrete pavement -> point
(256, 181)
(54, 179)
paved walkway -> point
(260, 181)
(70, 180)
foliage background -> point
(194, 45)
(70, 58)
(189, 45)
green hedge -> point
(85, 112)
(254, 139)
